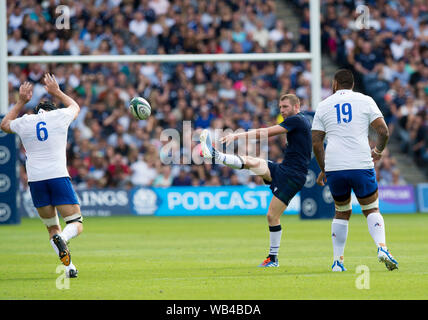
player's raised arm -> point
(382, 131)
(52, 87)
(25, 94)
(255, 134)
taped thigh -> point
(373, 205)
(50, 222)
(343, 207)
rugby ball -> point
(140, 108)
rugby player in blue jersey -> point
(286, 178)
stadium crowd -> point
(385, 43)
(107, 147)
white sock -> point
(70, 266)
(376, 227)
(275, 239)
(230, 160)
(339, 233)
(70, 231)
(54, 247)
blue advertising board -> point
(211, 201)
(172, 201)
(204, 201)
(392, 199)
(8, 183)
(93, 202)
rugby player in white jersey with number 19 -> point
(344, 119)
(44, 136)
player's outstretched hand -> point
(51, 86)
(321, 180)
(228, 139)
(25, 92)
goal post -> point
(4, 93)
(8, 203)
(314, 56)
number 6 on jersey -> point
(40, 129)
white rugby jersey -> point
(44, 136)
(345, 117)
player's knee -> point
(343, 215)
(79, 228)
(273, 219)
(248, 162)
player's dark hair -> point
(45, 105)
(344, 79)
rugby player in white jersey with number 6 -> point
(44, 136)
(344, 119)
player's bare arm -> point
(255, 134)
(25, 94)
(379, 125)
(318, 146)
(52, 87)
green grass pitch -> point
(213, 258)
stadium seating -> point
(386, 49)
(107, 148)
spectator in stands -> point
(385, 171)
(418, 137)
(401, 73)
(164, 179)
(305, 29)
(138, 25)
(16, 44)
(366, 60)
(51, 44)
(182, 179)
(397, 180)
(16, 18)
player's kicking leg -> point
(259, 167)
(209, 152)
(376, 225)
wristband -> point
(378, 153)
